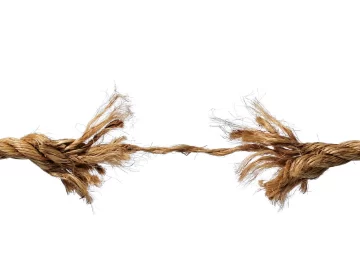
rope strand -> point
(79, 163)
(186, 149)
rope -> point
(79, 163)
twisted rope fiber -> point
(187, 149)
(279, 148)
(73, 162)
(79, 163)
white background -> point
(178, 60)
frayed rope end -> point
(275, 145)
(79, 163)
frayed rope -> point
(79, 163)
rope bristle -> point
(279, 148)
(79, 163)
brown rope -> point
(73, 161)
(296, 162)
(79, 162)
(187, 149)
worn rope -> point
(79, 163)
(187, 149)
(296, 162)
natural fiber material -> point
(278, 147)
(79, 163)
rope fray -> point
(77, 162)
(278, 147)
